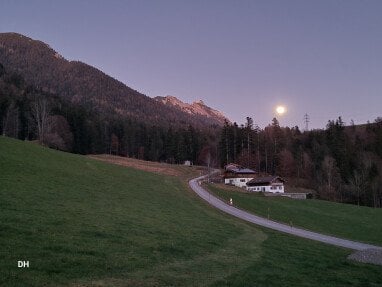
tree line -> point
(29, 113)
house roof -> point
(232, 165)
(235, 168)
(242, 170)
(264, 180)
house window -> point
(280, 187)
(242, 180)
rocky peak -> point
(199, 102)
(196, 108)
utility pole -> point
(306, 121)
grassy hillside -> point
(82, 222)
(349, 221)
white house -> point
(237, 175)
(274, 184)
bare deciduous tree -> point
(41, 114)
(58, 135)
(357, 181)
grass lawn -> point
(82, 222)
(348, 221)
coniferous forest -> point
(340, 163)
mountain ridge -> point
(40, 65)
(197, 107)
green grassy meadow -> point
(82, 222)
(345, 220)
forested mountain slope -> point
(44, 68)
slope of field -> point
(178, 170)
(82, 222)
(344, 220)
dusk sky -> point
(243, 58)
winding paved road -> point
(216, 202)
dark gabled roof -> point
(264, 180)
(232, 165)
(242, 170)
(235, 168)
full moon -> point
(281, 110)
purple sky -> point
(323, 58)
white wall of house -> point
(238, 181)
(266, 188)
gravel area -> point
(373, 256)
